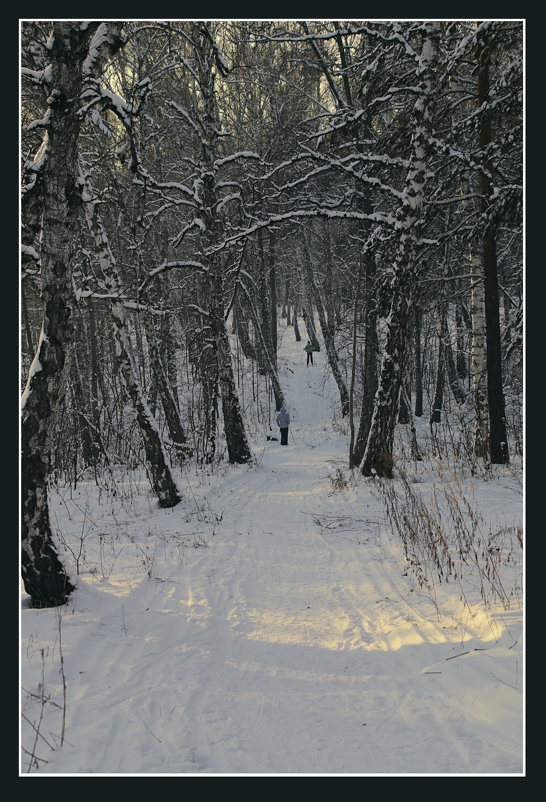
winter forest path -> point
(292, 643)
(322, 662)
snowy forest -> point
(200, 199)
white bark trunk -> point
(158, 464)
(378, 457)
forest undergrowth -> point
(430, 507)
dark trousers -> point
(309, 357)
(284, 436)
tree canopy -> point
(188, 184)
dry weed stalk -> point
(45, 700)
(447, 535)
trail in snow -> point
(285, 646)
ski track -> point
(286, 651)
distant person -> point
(309, 348)
(283, 422)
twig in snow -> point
(151, 733)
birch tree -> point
(159, 469)
(77, 53)
(478, 366)
(378, 457)
(207, 59)
(300, 166)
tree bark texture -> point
(352, 460)
(498, 441)
(236, 440)
(45, 578)
(234, 429)
(418, 364)
(159, 470)
(369, 372)
(164, 388)
(450, 365)
(378, 457)
(478, 369)
(437, 404)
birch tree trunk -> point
(206, 56)
(295, 325)
(378, 457)
(436, 411)
(265, 347)
(45, 578)
(159, 470)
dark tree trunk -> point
(206, 62)
(273, 299)
(498, 441)
(158, 467)
(84, 427)
(94, 368)
(461, 357)
(45, 578)
(369, 373)
(236, 440)
(418, 364)
(287, 301)
(297, 334)
(307, 315)
(264, 348)
(436, 411)
(329, 282)
(201, 355)
(353, 368)
(406, 402)
(169, 343)
(404, 411)
(168, 402)
(241, 329)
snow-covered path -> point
(292, 644)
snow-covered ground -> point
(271, 625)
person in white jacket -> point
(283, 422)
